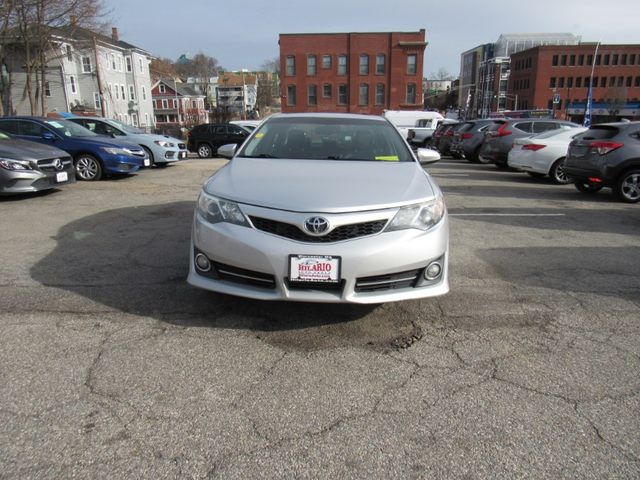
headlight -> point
(163, 143)
(422, 216)
(14, 164)
(117, 151)
(216, 210)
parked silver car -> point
(322, 208)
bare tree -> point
(616, 99)
(7, 11)
(442, 74)
(162, 68)
(272, 65)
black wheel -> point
(558, 174)
(627, 188)
(88, 167)
(586, 187)
(150, 155)
(536, 174)
(204, 150)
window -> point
(165, 103)
(96, 99)
(629, 81)
(614, 59)
(364, 64)
(380, 94)
(134, 119)
(72, 83)
(326, 61)
(595, 82)
(144, 93)
(119, 63)
(578, 82)
(637, 82)
(342, 94)
(570, 82)
(581, 59)
(113, 61)
(311, 65)
(612, 81)
(632, 59)
(47, 89)
(380, 61)
(140, 65)
(129, 64)
(411, 93)
(598, 59)
(554, 61)
(146, 119)
(68, 50)
(607, 59)
(561, 82)
(117, 92)
(363, 98)
(563, 60)
(86, 64)
(326, 90)
(290, 65)
(132, 92)
(572, 60)
(342, 64)
(589, 59)
(122, 94)
(291, 95)
(312, 95)
(412, 61)
(552, 82)
(623, 59)
(161, 88)
(620, 81)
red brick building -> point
(539, 74)
(352, 72)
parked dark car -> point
(31, 167)
(93, 155)
(607, 155)
(499, 136)
(205, 139)
(468, 139)
(445, 138)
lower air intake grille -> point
(391, 281)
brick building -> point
(564, 72)
(352, 72)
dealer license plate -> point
(182, 155)
(314, 269)
(62, 177)
(147, 162)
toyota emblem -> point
(316, 225)
(57, 163)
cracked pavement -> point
(111, 366)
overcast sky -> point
(244, 34)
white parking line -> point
(507, 214)
(449, 174)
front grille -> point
(325, 287)
(243, 276)
(391, 281)
(48, 164)
(338, 234)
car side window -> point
(539, 127)
(32, 129)
(10, 126)
(235, 130)
(524, 126)
(220, 130)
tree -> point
(443, 74)
(616, 99)
(162, 68)
(272, 65)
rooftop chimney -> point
(114, 34)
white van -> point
(403, 120)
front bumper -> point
(374, 269)
(25, 181)
(124, 163)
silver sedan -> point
(322, 208)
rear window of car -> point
(524, 126)
(600, 132)
(495, 126)
(466, 126)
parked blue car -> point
(93, 155)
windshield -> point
(69, 129)
(327, 138)
(124, 127)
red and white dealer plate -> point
(314, 269)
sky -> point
(244, 34)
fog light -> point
(203, 263)
(433, 271)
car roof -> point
(352, 116)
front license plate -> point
(314, 268)
(62, 177)
(182, 155)
(147, 162)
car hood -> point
(103, 141)
(25, 150)
(150, 137)
(321, 185)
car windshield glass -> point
(555, 132)
(327, 138)
(69, 129)
(124, 127)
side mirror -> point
(426, 155)
(48, 136)
(228, 150)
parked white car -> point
(543, 154)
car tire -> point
(558, 174)
(627, 187)
(482, 159)
(586, 187)
(150, 155)
(536, 175)
(204, 151)
(88, 168)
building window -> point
(311, 65)
(113, 61)
(326, 62)
(312, 95)
(411, 93)
(119, 63)
(629, 80)
(68, 50)
(364, 64)
(554, 61)
(165, 103)
(146, 119)
(134, 119)
(412, 61)
(632, 59)
(552, 82)
(612, 81)
(47, 89)
(578, 82)
(363, 98)
(144, 93)
(326, 90)
(581, 60)
(614, 59)
(128, 63)
(290, 65)
(561, 82)
(637, 82)
(380, 61)
(140, 65)
(132, 92)
(380, 94)
(620, 81)
(563, 60)
(96, 99)
(161, 88)
(598, 59)
(572, 60)
(589, 59)
(623, 59)
(570, 82)
(291, 95)
(342, 94)
(342, 64)
(86, 64)
(122, 94)
(72, 83)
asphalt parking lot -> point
(111, 366)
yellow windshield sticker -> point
(388, 158)
(259, 135)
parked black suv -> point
(205, 139)
(607, 155)
(469, 137)
(499, 137)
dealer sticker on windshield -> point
(314, 268)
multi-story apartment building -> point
(90, 73)
(470, 62)
(558, 78)
(237, 92)
(177, 104)
(352, 72)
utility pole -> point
(103, 108)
